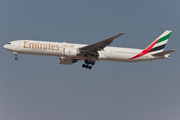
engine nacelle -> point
(71, 52)
(66, 61)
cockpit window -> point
(8, 43)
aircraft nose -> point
(5, 46)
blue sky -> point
(39, 88)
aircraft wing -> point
(93, 48)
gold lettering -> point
(49, 47)
(71, 45)
(57, 47)
(38, 45)
(41, 46)
(52, 47)
(25, 42)
(45, 46)
(33, 45)
(69, 51)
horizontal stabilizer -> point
(164, 53)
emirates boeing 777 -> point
(69, 53)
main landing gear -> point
(88, 64)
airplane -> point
(70, 53)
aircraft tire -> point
(83, 65)
(90, 67)
(87, 66)
(86, 61)
(16, 58)
(92, 62)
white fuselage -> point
(62, 49)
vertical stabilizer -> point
(161, 42)
(156, 46)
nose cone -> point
(8, 46)
(5, 46)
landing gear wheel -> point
(83, 65)
(87, 66)
(16, 58)
(88, 63)
(90, 67)
(92, 62)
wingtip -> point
(122, 33)
(173, 50)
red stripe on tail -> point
(145, 51)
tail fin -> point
(156, 46)
(160, 42)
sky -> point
(39, 88)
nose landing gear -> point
(88, 64)
(16, 57)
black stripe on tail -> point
(158, 48)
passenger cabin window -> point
(8, 43)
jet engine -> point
(72, 52)
(66, 61)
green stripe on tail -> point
(164, 38)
